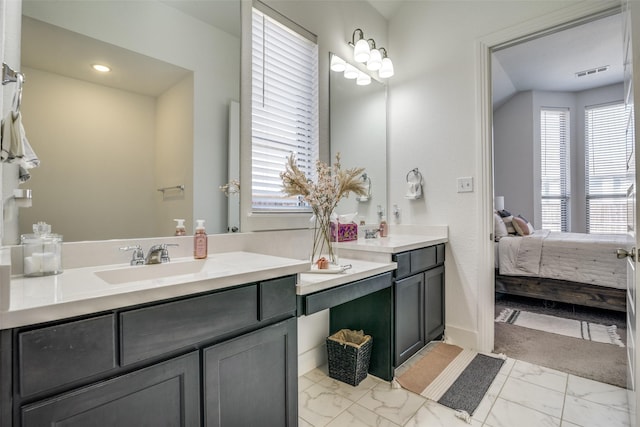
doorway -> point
(542, 88)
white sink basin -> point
(136, 273)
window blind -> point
(284, 110)
(606, 168)
(554, 168)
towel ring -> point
(414, 173)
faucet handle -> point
(164, 254)
(138, 254)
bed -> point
(572, 268)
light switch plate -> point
(465, 184)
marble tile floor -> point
(522, 395)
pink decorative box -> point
(345, 232)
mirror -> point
(358, 122)
(125, 153)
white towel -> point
(16, 147)
(414, 190)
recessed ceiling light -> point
(101, 68)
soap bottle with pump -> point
(384, 227)
(200, 241)
(180, 230)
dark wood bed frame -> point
(563, 291)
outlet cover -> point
(465, 184)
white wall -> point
(174, 157)
(513, 154)
(76, 128)
(433, 124)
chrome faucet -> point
(138, 255)
(158, 254)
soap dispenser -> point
(200, 241)
(180, 230)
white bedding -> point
(577, 257)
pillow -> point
(508, 222)
(499, 227)
(531, 229)
(522, 226)
(504, 213)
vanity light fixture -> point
(101, 68)
(363, 79)
(338, 64)
(361, 50)
(376, 58)
(350, 72)
(386, 69)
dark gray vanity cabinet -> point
(266, 357)
(203, 359)
(164, 394)
(418, 300)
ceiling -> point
(550, 63)
(54, 49)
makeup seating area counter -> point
(399, 301)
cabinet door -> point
(409, 333)
(433, 303)
(165, 394)
(253, 380)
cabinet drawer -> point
(417, 260)
(423, 259)
(277, 297)
(404, 264)
(152, 331)
(60, 354)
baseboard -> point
(312, 359)
(461, 337)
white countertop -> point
(80, 291)
(394, 243)
(314, 282)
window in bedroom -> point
(554, 168)
(606, 168)
(284, 108)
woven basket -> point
(349, 354)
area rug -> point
(558, 325)
(453, 377)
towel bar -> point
(175, 187)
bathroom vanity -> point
(192, 342)
(201, 358)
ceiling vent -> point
(592, 71)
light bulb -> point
(375, 60)
(386, 70)
(337, 64)
(363, 79)
(350, 72)
(361, 51)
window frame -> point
(564, 172)
(617, 195)
(263, 220)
